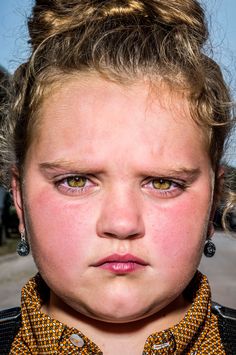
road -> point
(221, 270)
(16, 270)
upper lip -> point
(118, 258)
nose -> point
(120, 217)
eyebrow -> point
(56, 164)
(67, 166)
(181, 172)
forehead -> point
(86, 92)
(89, 109)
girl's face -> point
(116, 199)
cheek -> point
(60, 230)
(178, 232)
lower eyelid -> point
(72, 190)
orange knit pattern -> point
(196, 334)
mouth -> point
(121, 264)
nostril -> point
(124, 236)
(107, 229)
(120, 220)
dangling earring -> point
(23, 247)
(209, 248)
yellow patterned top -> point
(196, 334)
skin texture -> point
(123, 139)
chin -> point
(113, 311)
(120, 316)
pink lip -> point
(121, 264)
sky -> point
(221, 16)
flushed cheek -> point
(60, 232)
(178, 233)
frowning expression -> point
(117, 194)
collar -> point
(189, 333)
(46, 335)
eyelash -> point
(63, 186)
(176, 187)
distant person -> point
(112, 147)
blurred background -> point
(14, 49)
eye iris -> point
(76, 181)
(161, 184)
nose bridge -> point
(121, 213)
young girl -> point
(112, 144)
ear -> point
(219, 184)
(218, 188)
(17, 198)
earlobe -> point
(17, 198)
(218, 189)
(211, 228)
(220, 178)
(219, 186)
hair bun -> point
(179, 13)
(51, 17)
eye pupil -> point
(161, 184)
(76, 181)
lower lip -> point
(121, 267)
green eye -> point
(76, 181)
(161, 184)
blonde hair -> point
(121, 40)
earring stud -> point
(23, 247)
(209, 249)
